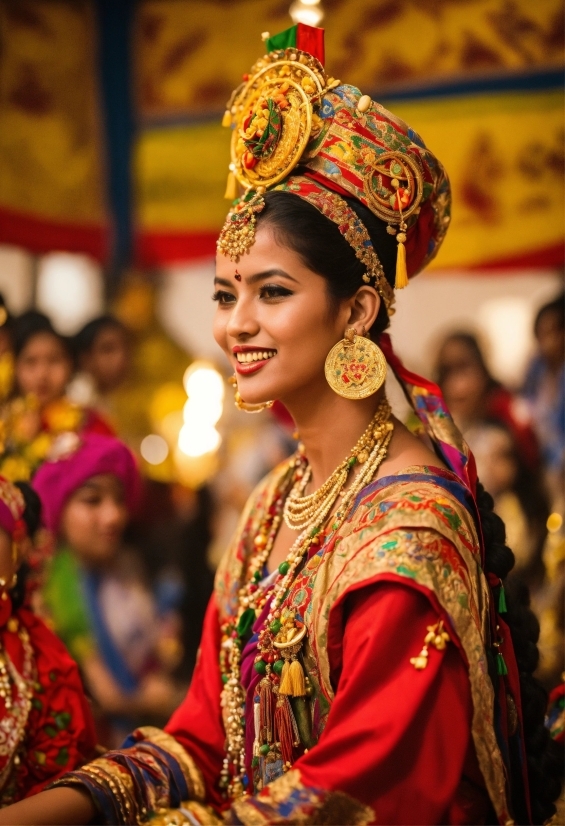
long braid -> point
(545, 758)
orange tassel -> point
(296, 676)
(401, 279)
(285, 686)
(231, 187)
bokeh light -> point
(154, 449)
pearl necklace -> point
(252, 598)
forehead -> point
(265, 253)
(43, 342)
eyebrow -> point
(259, 276)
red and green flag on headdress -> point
(306, 38)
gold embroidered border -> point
(191, 772)
(313, 806)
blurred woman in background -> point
(40, 411)
(473, 394)
(94, 591)
(518, 493)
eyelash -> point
(269, 292)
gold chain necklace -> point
(272, 656)
(300, 510)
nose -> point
(242, 323)
(112, 513)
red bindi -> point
(237, 276)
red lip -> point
(242, 348)
(249, 367)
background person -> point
(94, 591)
(45, 719)
(544, 388)
(473, 394)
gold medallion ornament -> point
(355, 367)
(274, 116)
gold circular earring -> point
(355, 367)
(247, 408)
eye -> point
(223, 298)
(274, 291)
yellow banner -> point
(50, 160)
(191, 53)
(503, 152)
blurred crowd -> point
(124, 570)
(518, 439)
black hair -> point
(32, 518)
(555, 307)
(33, 323)
(85, 338)
(301, 227)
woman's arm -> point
(65, 806)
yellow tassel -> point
(231, 187)
(285, 686)
(296, 676)
(226, 120)
(401, 279)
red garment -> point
(94, 422)
(397, 739)
(59, 732)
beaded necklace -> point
(278, 733)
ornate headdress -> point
(298, 130)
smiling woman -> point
(357, 663)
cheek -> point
(78, 525)
(219, 326)
(59, 374)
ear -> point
(364, 308)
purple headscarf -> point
(56, 481)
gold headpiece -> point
(287, 112)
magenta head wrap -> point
(56, 481)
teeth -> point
(254, 355)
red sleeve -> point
(197, 722)
(396, 739)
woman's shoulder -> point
(419, 497)
(414, 528)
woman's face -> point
(274, 322)
(495, 455)
(94, 519)
(464, 382)
(43, 368)
(108, 358)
